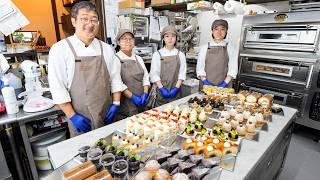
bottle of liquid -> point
(9, 98)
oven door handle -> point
(264, 91)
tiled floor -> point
(303, 158)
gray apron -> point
(216, 64)
(169, 74)
(90, 89)
(132, 76)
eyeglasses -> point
(87, 21)
(127, 39)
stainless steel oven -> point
(279, 54)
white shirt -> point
(156, 64)
(145, 80)
(233, 59)
(62, 65)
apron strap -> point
(101, 49)
(119, 58)
(178, 54)
(160, 55)
(72, 48)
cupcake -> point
(176, 110)
(239, 117)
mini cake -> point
(189, 130)
(253, 119)
(221, 120)
(208, 108)
(176, 110)
(152, 167)
(241, 130)
(260, 119)
(233, 135)
(233, 113)
(234, 123)
(202, 116)
(216, 130)
(193, 118)
(168, 108)
(199, 147)
(239, 117)
(226, 127)
(251, 128)
(230, 150)
(210, 151)
(225, 114)
(246, 114)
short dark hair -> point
(83, 5)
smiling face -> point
(219, 32)
(86, 24)
(169, 39)
(126, 42)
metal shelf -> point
(46, 134)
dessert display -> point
(183, 141)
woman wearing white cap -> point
(217, 62)
(134, 75)
(168, 68)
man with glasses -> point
(82, 74)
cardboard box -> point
(131, 4)
(162, 2)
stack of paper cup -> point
(232, 6)
(10, 100)
(219, 8)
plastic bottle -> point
(10, 99)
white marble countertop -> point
(247, 159)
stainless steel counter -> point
(251, 155)
(24, 117)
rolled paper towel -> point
(232, 6)
(219, 8)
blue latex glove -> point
(81, 123)
(174, 91)
(1, 83)
(144, 98)
(223, 84)
(206, 82)
(111, 114)
(164, 92)
(136, 100)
